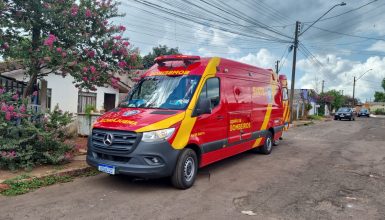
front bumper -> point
(139, 162)
(343, 116)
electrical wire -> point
(346, 12)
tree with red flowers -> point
(67, 37)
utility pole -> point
(277, 66)
(295, 46)
(354, 84)
(354, 89)
(323, 84)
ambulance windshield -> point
(164, 92)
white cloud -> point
(233, 50)
(263, 58)
(378, 46)
(338, 74)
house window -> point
(86, 99)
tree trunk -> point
(34, 67)
(32, 81)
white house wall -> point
(65, 94)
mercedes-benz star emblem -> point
(107, 140)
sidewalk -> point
(377, 116)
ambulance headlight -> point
(158, 135)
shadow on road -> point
(130, 183)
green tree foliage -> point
(337, 101)
(349, 100)
(383, 83)
(69, 37)
(161, 50)
(380, 96)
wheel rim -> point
(189, 169)
(269, 144)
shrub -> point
(29, 138)
(379, 111)
(315, 117)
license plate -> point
(106, 168)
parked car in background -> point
(364, 112)
(344, 113)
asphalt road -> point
(330, 170)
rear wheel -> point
(268, 145)
(185, 170)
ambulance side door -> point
(210, 130)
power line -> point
(283, 58)
(204, 21)
(346, 12)
(353, 21)
(350, 35)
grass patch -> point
(18, 187)
(24, 183)
(315, 117)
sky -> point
(348, 41)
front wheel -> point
(185, 170)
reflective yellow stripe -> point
(284, 112)
(183, 135)
(287, 114)
(165, 123)
(264, 124)
(268, 113)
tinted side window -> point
(211, 91)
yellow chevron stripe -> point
(264, 124)
(183, 135)
(166, 123)
(284, 111)
(287, 114)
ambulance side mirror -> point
(203, 107)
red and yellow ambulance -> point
(187, 112)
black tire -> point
(268, 144)
(185, 170)
(351, 118)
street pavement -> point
(329, 170)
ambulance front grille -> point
(114, 142)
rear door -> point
(238, 96)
